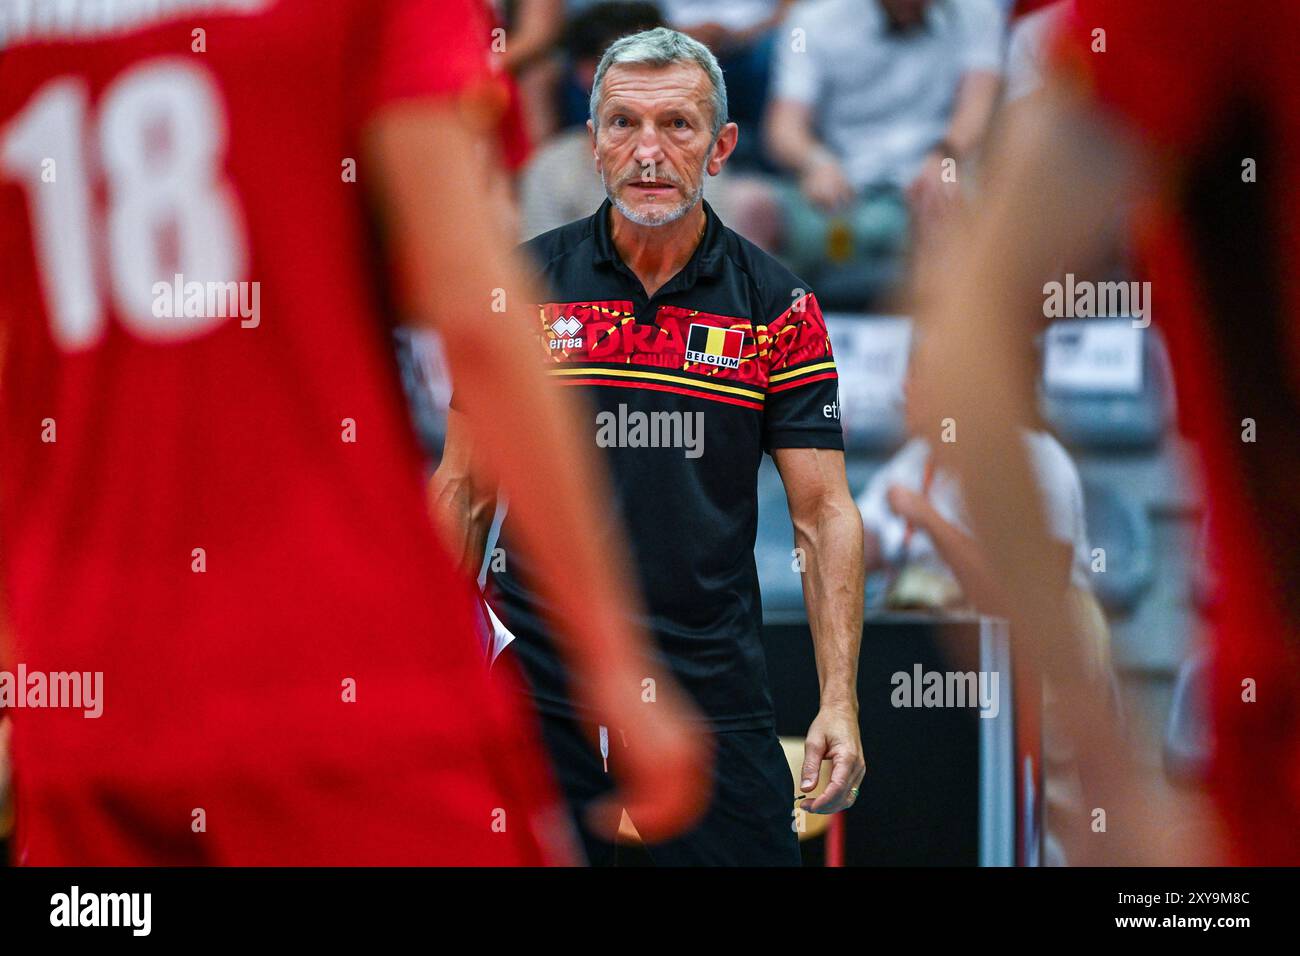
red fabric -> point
(1165, 65)
(425, 48)
(1023, 7)
(225, 689)
(1170, 71)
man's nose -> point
(648, 149)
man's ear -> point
(591, 129)
(723, 147)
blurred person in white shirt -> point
(918, 529)
(878, 108)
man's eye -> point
(680, 123)
(620, 121)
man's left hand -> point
(833, 736)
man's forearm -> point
(462, 502)
(464, 517)
(832, 587)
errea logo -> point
(566, 333)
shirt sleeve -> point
(1167, 65)
(983, 31)
(424, 49)
(796, 74)
(802, 408)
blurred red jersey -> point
(1214, 90)
(211, 492)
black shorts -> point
(750, 814)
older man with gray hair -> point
(697, 352)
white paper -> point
(501, 636)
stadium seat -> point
(1187, 743)
(1088, 403)
(1121, 528)
(871, 355)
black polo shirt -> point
(687, 389)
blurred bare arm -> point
(6, 779)
(1057, 173)
(977, 98)
(1056, 176)
(931, 194)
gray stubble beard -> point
(663, 218)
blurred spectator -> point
(724, 25)
(869, 98)
(918, 530)
(561, 183)
(741, 34)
